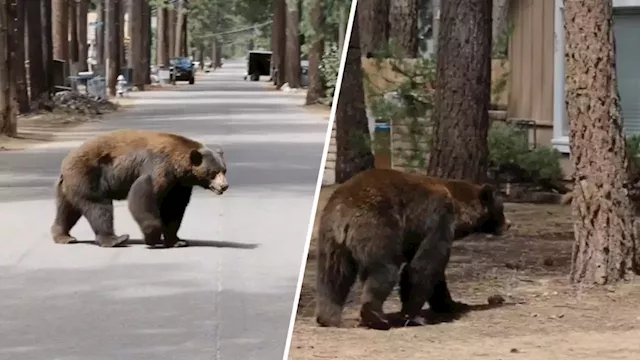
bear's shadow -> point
(191, 243)
(432, 318)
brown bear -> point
(154, 171)
(381, 219)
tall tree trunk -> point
(162, 44)
(403, 30)
(293, 44)
(274, 42)
(8, 118)
(47, 45)
(60, 16)
(83, 50)
(171, 32)
(18, 54)
(500, 24)
(373, 17)
(37, 81)
(459, 147)
(177, 44)
(185, 37)
(281, 48)
(73, 32)
(146, 41)
(316, 87)
(605, 248)
(136, 51)
(343, 19)
(121, 25)
(112, 33)
(81, 34)
(353, 140)
(100, 32)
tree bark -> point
(18, 55)
(162, 43)
(47, 45)
(112, 33)
(403, 30)
(121, 24)
(177, 45)
(83, 49)
(8, 118)
(500, 20)
(37, 81)
(100, 32)
(185, 38)
(60, 16)
(281, 48)
(343, 19)
(293, 44)
(316, 87)
(353, 140)
(170, 27)
(373, 17)
(73, 32)
(146, 41)
(136, 52)
(459, 147)
(605, 249)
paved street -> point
(228, 296)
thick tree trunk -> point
(177, 45)
(162, 43)
(373, 17)
(403, 30)
(100, 32)
(293, 44)
(47, 45)
(605, 243)
(316, 87)
(83, 50)
(170, 28)
(136, 52)
(121, 24)
(281, 48)
(353, 140)
(112, 48)
(463, 83)
(185, 38)
(8, 118)
(146, 41)
(60, 16)
(37, 81)
(73, 32)
(18, 55)
(500, 22)
(343, 19)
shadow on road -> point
(192, 243)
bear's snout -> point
(219, 184)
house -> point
(536, 62)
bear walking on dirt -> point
(154, 171)
(381, 219)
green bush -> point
(329, 68)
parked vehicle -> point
(258, 64)
(182, 69)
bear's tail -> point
(336, 273)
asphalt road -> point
(228, 296)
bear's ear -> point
(195, 157)
(486, 194)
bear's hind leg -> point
(143, 205)
(172, 211)
(67, 217)
(336, 273)
(378, 285)
(422, 279)
(99, 214)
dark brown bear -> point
(154, 171)
(381, 219)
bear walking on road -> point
(381, 219)
(154, 171)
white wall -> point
(617, 3)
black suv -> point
(182, 69)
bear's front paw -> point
(373, 319)
(111, 241)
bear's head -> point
(209, 169)
(481, 212)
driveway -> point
(228, 296)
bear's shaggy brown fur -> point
(381, 219)
(154, 171)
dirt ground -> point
(543, 317)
